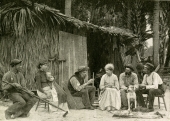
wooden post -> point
(156, 43)
(68, 7)
(61, 82)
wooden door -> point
(72, 49)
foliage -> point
(120, 13)
(164, 31)
(97, 13)
(17, 17)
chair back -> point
(166, 82)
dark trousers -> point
(123, 95)
(22, 103)
(151, 95)
(87, 94)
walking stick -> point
(46, 101)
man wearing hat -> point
(79, 88)
(22, 102)
(151, 85)
(126, 79)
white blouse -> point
(109, 80)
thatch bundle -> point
(40, 44)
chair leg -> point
(48, 107)
(45, 105)
(37, 105)
(158, 102)
(98, 92)
(147, 101)
(164, 103)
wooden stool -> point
(41, 103)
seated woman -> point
(110, 95)
(48, 89)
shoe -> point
(25, 115)
(8, 115)
(147, 109)
(150, 110)
(124, 108)
(90, 108)
(136, 109)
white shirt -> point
(152, 80)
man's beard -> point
(128, 73)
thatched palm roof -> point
(110, 30)
(20, 17)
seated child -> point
(50, 78)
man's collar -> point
(149, 74)
(41, 70)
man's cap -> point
(82, 68)
(42, 62)
(15, 62)
(129, 66)
(149, 66)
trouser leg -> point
(140, 98)
(18, 104)
(124, 101)
(91, 91)
(30, 101)
(152, 94)
(85, 97)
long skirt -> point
(110, 99)
(52, 96)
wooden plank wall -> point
(72, 48)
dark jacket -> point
(70, 87)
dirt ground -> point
(89, 115)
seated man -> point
(79, 88)
(126, 79)
(151, 85)
(22, 102)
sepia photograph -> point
(84, 60)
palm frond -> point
(22, 22)
(6, 6)
(15, 21)
(30, 16)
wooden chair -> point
(158, 96)
(161, 96)
(42, 103)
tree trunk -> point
(68, 7)
(156, 42)
(129, 15)
(168, 53)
